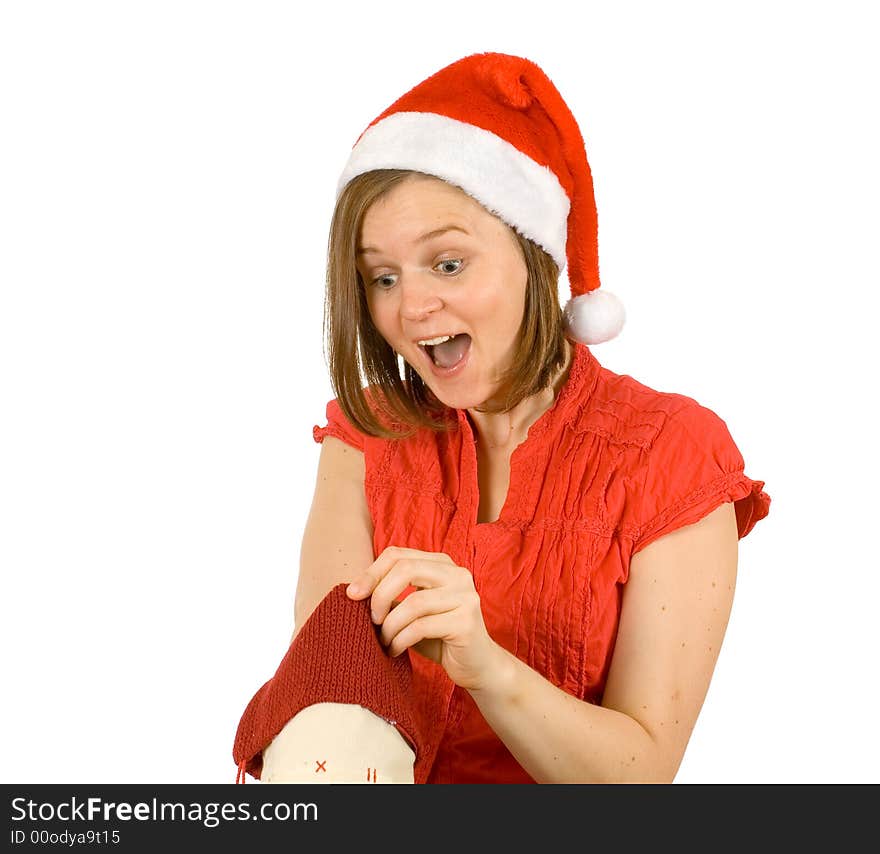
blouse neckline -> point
(581, 380)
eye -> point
(382, 282)
(453, 261)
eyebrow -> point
(363, 250)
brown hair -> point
(358, 352)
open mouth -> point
(449, 353)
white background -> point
(167, 175)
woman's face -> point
(434, 262)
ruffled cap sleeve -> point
(693, 467)
(339, 426)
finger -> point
(431, 627)
(420, 604)
(363, 585)
(409, 572)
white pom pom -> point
(594, 317)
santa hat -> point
(496, 126)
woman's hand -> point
(441, 619)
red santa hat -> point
(496, 126)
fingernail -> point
(354, 589)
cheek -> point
(499, 303)
(382, 313)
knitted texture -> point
(336, 657)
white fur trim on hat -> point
(508, 183)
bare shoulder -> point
(337, 540)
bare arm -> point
(337, 541)
(675, 611)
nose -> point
(418, 297)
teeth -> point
(432, 341)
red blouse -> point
(612, 466)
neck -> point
(505, 430)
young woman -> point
(552, 546)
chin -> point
(463, 399)
(465, 394)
